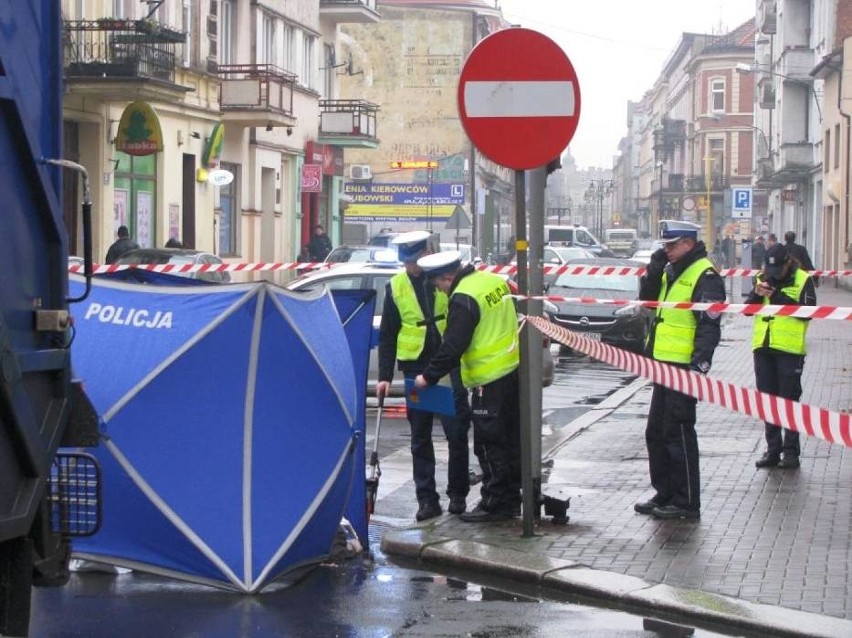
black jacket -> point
(462, 319)
(800, 254)
(120, 248)
(709, 288)
(391, 324)
(318, 247)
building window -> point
(717, 153)
(186, 19)
(308, 72)
(288, 52)
(228, 219)
(826, 151)
(266, 50)
(134, 197)
(717, 96)
(226, 37)
(837, 146)
(328, 71)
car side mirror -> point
(555, 260)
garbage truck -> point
(47, 494)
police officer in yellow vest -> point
(679, 271)
(779, 346)
(482, 336)
(413, 319)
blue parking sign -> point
(741, 202)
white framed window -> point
(717, 96)
(328, 71)
(186, 25)
(227, 32)
(288, 49)
(308, 71)
(266, 50)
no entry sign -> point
(519, 98)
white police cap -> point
(672, 230)
(411, 244)
(440, 263)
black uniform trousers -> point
(496, 414)
(779, 373)
(673, 449)
(423, 451)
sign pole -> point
(522, 257)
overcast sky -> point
(618, 48)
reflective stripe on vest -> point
(412, 332)
(786, 334)
(675, 330)
(494, 349)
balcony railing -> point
(257, 94)
(342, 120)
(349, 11)
(699, 184)
(120, 49)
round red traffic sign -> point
(519, 98)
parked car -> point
(345, 254)
(559, 256)
(644, 254)
(176, 257)
(376, 276)
(623, 326)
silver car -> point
(376, 276)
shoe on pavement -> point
(481, 515)
(767, 460)
(428, 510)
(457, 505)
(789, 463)
(647, 507)
(673, 511)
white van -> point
(621, 241)
(575, 236)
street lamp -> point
(741, 67)
(597, 190)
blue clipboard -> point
(434, 398)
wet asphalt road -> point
(367, 596)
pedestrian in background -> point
(779, 348)
(413, 319)
(758, 252)
(679, 271)
(174, 242)
(124, 244)
(482, 336)
(771, 240)
(319, 245)
(799, 253)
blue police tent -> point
(230, 445)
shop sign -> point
(213, 150)
(139, 131)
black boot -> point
(428, 510)
(768, 460)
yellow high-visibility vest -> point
(786, 334)
(494, 350)
(412, 332)
(675, 331)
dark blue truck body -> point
(37, 395)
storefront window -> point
(229, 205)
(134, 198)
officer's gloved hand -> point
(701, 367)
(657, 264)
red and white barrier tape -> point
(98, 269)
(584, 269)
(834, 427)
(505, 270)
(801, 312)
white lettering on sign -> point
(136, 317)
(519, 99)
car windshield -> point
(621, 283)
(567, 252)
